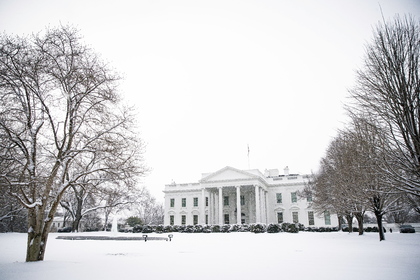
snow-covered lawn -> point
(233, 256)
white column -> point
(210, 208)
(213, 204)
(262, 205)
(257, 204)
(203, 207)
(216, 207)
(263, 212)
(238, 205)
(220, 206)
(266, 208)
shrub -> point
(285, 227)
(188, 229)
(215, 228)
(181, 228)
(273, 228)
(292, 228)
(301, 227)
(198, 228)
(245, 228)
(225, 228)
(175, 228)
(159, 229)
(65, 229)
(168, 229)
(235, 228)
(147, 229)
(207, 229)
(137, 228)
(257, 228)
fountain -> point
(114, 228)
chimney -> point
(286, 171)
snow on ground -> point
(305, 255)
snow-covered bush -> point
(189, 229)
(273, 228)
(137, 228)
(168, 228)
(215, 228)
(292, 228)
(198, 228)
(225, 228)
(257, 228)
(159, 228)
(235, 228)
(147, 229)
(206, 229)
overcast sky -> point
(210, 78)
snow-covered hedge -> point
(256, 228)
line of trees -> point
(374, 163)
(65, 137)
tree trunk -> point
(349, 218)
(37, 240)
(34, 236)
(380, 226)
(78, 215)
(39, 226)
(76, 223)
(359, 218)
(340, 222)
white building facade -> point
(233, 196)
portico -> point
(233, 204)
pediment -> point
(228, 174)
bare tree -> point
(365, 149)
(351, 179)
(388, 89)
(60, 114)
(149, 210)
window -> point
(207, 201)
(171, 220)
(295, 216)
(309, 198)
(327, 218)
(183, 220)
(226, 219)
(184, 202)
(195, 201)
(311, 218)
(226, 200)
(207, 219)
(279, 199)
(172, 202)
(279, 217)
(294, 197)
(242, 200)
(195, 219)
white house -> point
(233, 196)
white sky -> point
(210, 77)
